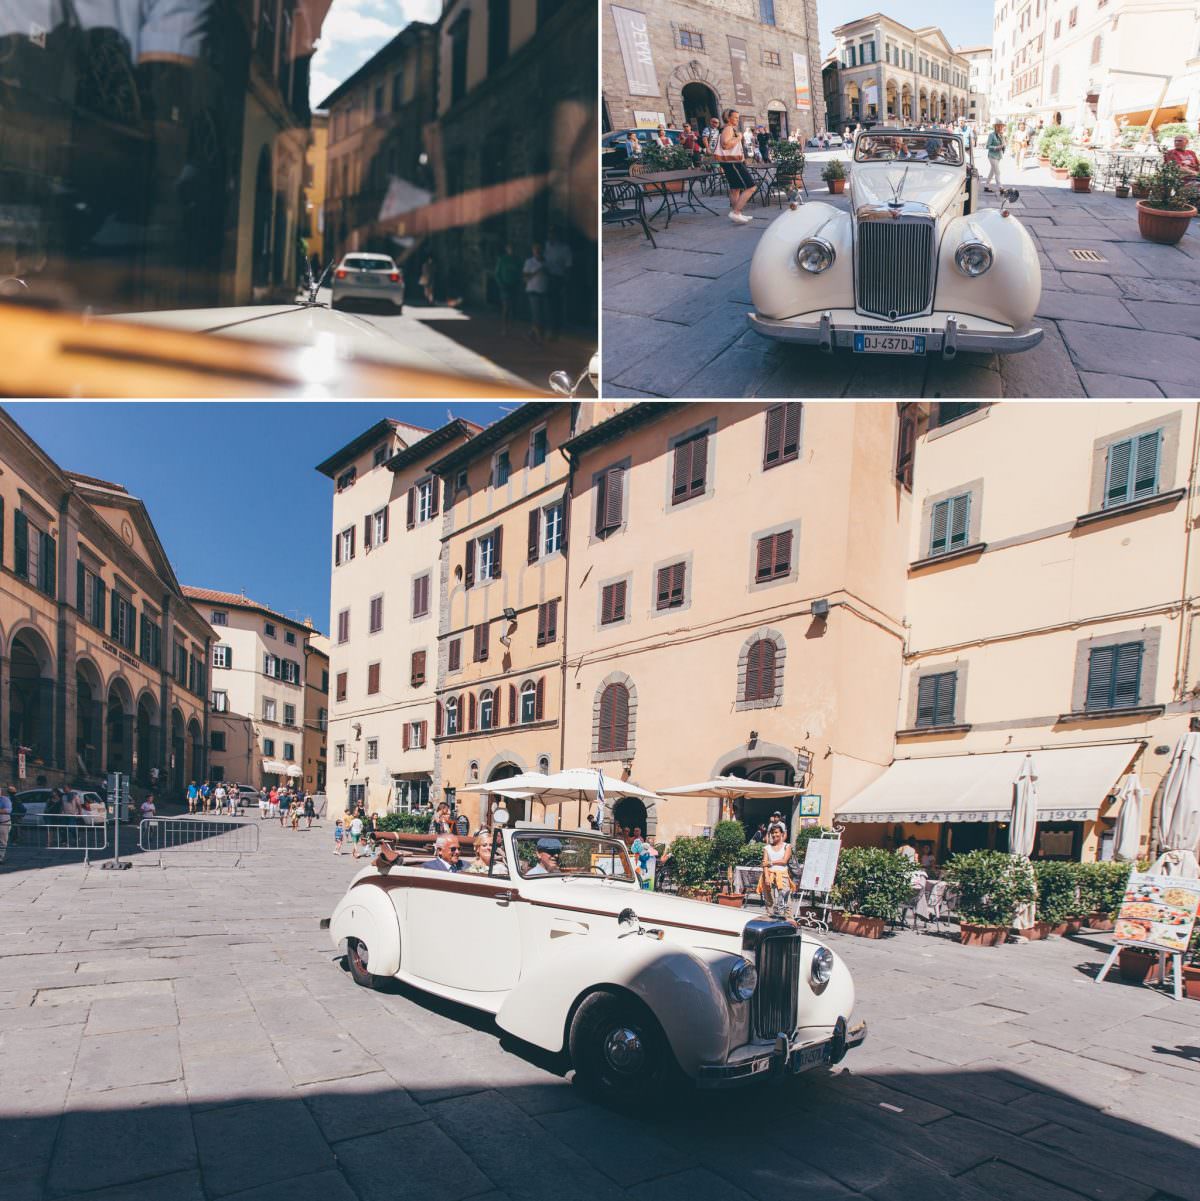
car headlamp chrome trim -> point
(815, 255)
(821, 968)
(974, 255)
(743, 980)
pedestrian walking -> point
(425, 282)
(202, 803)
(356, 829)
(507, 274)
(283, 809)
(148, 810)
(274, 799)
(731, 154)
(537, 287)
(220, 797)
(712, 134)
(309, 811)
(193, 795)
(339, 837)
(559, 262)
(764, 144)
(264, 804)
(6, 811)
(294, 811)
(995, 152)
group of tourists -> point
(543, 277)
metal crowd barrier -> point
(192, 834)
(42, 833)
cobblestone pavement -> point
(1127, 326)
(187, 1032)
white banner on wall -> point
(803, 92)
(648, 120)
(633, 36)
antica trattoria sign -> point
(124, 656)
(739, 60)
(633, 37)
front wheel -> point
(358, 958)
(618, 1048)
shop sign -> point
(633, 37)
(810, 804)
(739, 60)
(124, 656)
(20, 765)
(646, 120)
(803, 91)
(1158, 912)
(820, 864)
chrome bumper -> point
(777, 1059)
(949, 339)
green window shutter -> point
(1100, 677)
(1127, 675)
(926, 701)
(1145, 466)
(80, 589)
(947, 687)
(20, 544)
(98, 604)
(939, 527)
(1, 531)
(48, 565)
(960, 520)
(115, 620)
(1116, 476)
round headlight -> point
(815, 255)
(743, 980)
(973, 258)
(822, 966)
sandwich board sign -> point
(820, 864)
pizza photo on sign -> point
(1158, 912)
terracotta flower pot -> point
(982, 936)
(1100, 922)
(1043, 162)
(837, 186)
(1139, 193)
(1163, 225)
(1134, 965)
(1081, 183)
(1191, 982)
(856, 924)
(732, 900)
(1060, 172)
(1035, 933)
(1071, 926)
(1122, 190)
(699, 894)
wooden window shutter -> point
(773, 441)
(81, 588)
(541, 630)
(433, 498)
(485, 637)
(760, 671)
(337, 550)
(469, 565)
(455, 654)
(437, 719)
(1145, 468)
(939, 526)
(604, 735)
(20, 544)
(387, 510)
(947, 687)
(341, 686)
(1127, 675)
(926, 701)
(551, 621)
(602, 503)
(699, 464)
(613, 497)
(534, 530)
(472, 712)
(620, 588)
(607, 600)
(412, 508)
(681, 472)
(418, 668)
(753, 673)
(1116, 484)
(353, 535)
(373, 678)
(416, 598)
(960, 520)
(540, 698)
(677, 578)
(497, 543)
(406, 738)
(791, 430)
(512, 704)
(367, 521)
(614, 719)
(48, 568)
(765, 558)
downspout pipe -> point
(562, 685)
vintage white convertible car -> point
(915, 266)
(570, 954)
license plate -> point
(889, 343)
(367, 278)
(809, 1057)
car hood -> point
(913, 183)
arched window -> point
(1054, 81)
(614, 718)
(544, 764)
(528, 701)
(487, 709)
(452, 715)
(760, 670)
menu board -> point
(820, 864)
(1158, 912)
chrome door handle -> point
(502, 898)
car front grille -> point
(775, 1001)
(894, 275)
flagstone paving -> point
(1128, 326)
(184, 1033)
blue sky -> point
(230, 487)
(964, 22)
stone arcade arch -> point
(700, 103)
(31, 697)
(89, 719)
(678, 80)
(119, 742)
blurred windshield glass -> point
(924, 147)
(158, 155)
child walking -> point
(339, 836)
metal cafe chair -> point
(623, 203)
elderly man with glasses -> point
(446, 855)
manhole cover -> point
(1088, 256)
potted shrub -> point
(656, 159)
(1060, 161)
(1164, 215)
(788, 158)
(872, 887)
(1081, 175)
(991, 886)
(1122, 185)
(1140, 186)
(834, 174)
(1057, 898)
(690, 860)
(725, 850)
(1101, 891)
(1191, 968)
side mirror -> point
(560, 382)
(627, 919)
(1012, 195)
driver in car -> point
(548, 851)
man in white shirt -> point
(220, 797)
(559, 262)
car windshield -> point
(160, 159)
(572, 855)
(945, 149)
(361, 264)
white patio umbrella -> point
(732, 788)
(1022, 828)
(1178, 829)
(1128, 832)
(583, 786)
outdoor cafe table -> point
(658, 183)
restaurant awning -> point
(1073, 783)
(276, 766)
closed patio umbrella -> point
(1022, 829)
(1128, 833)
(1178, 828)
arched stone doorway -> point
(700, 104)
(630, 813)
(178, 760)
(777, 119)
(852, 105)
(89, 740)
(119, 728)
(146, 737)
(31, 699)
(754, 811)
(490, 800)
(892, 108)
(195, 747)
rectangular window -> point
(425, 500)
(123, 622)
(771, 58)
(502, 469)
(268, 746)
(670, 586)
(481, 642)
(690, 468)
(689, 39)
(344, 550)
(455, 654)
(612, 603)
(289, 752)
(289, 671)
(950, 524)
(220, 619)
(151, 645)
(485, 557)
(289, 715)
(372, 679)
(346, 479)
(269, 629)
(552, 529)
(219, 701)
(376, 622)
(379, 455)
(935, 699)
(418, 734)
(528, 704)
(377, 526)
(1131, 470)
(417, 676)
(222, 656)
(341, 686)
(343, 627)
(1114, 676)
(271, 666)
(289, 636)
(948, 411)
(766, 12)
(547, 623)
(339, 752)
(782, 441)
(372, 750)
(217, 740)
(268, 708)
(773, 558)
(91, 603)
(538, 447)
(609, 500)
(420, 602)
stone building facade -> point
(979, 83)
(670, 61)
